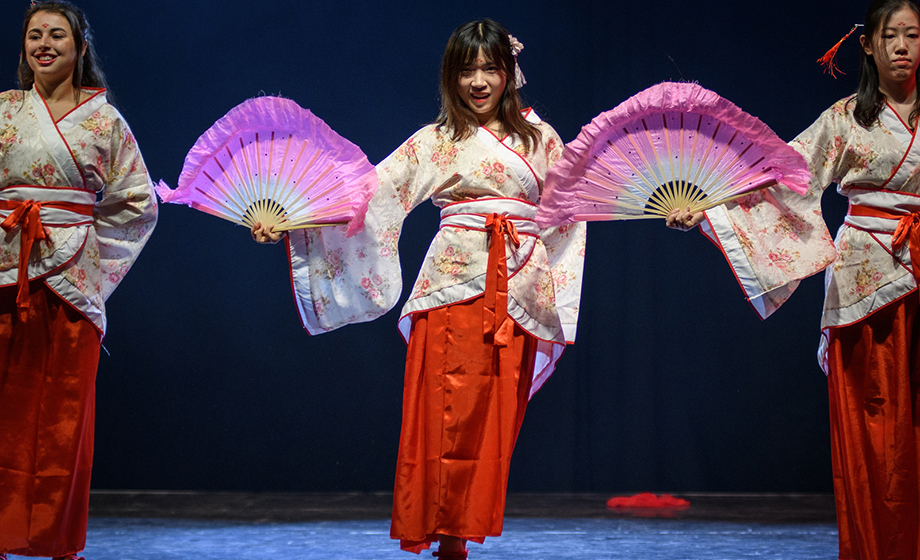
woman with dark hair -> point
(492, 308)
(867, 144)
(76, 207)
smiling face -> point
(481, 85)
(895, 49)
(50, 50)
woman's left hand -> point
(265, 234)
(684, 220)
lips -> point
(45, 59)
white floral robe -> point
(774, 238)
(338, 281)
(90, 158)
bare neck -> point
(900, 93)
(57, 93)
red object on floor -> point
(647, 500)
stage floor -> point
(239, 526)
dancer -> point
(492, 308)
(867, 144)
(76, 207)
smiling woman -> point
(481, 86)
(492, 309)
(51, 52)
(76, 206)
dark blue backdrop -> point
(674, 383)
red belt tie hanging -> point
(27, 215)
(495, 321)
(909, 230)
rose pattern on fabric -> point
(9, 138)
(422, 285)
(42, 173)
(444, 153)
(106, 154)
(99, 125)
(331, 267)
(784, 236)
(452, 261)
(493, 171)
(430, 166)
(375, 286)
(868, 279)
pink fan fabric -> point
(670, 103)
(265, 115)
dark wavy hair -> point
(87, 72)
(869, 99)
(461, 50)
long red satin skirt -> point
(463, 404)
(874, 386)
(47, 395)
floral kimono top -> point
(774, 238)
(481, 184)
(75, 199)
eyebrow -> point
(52, 30)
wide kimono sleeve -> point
(126, 213)
(565, 250)
(774, 238)
(337, 280)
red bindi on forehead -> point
(45, 25)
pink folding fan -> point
(268, 160)
(674, 145)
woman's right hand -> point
(684, 220)
(265, 234)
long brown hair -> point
(869, 100)
(86, 72)
(461, 50)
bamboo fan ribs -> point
(272, 162)
(672, 146)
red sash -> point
(26, 214)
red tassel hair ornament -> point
(827, 61)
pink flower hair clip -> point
(516, 48)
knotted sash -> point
(904, 227)
(31, 208)
(508, 220)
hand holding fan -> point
(672, 146)
(268, 160)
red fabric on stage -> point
(874, 387)
(463, 404)
(47, 395)
(647, 500)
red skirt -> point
(463, 404)
(47, 394)
(874, 387)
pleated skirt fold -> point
(874, 387)
(463, 404)
(47, 397)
